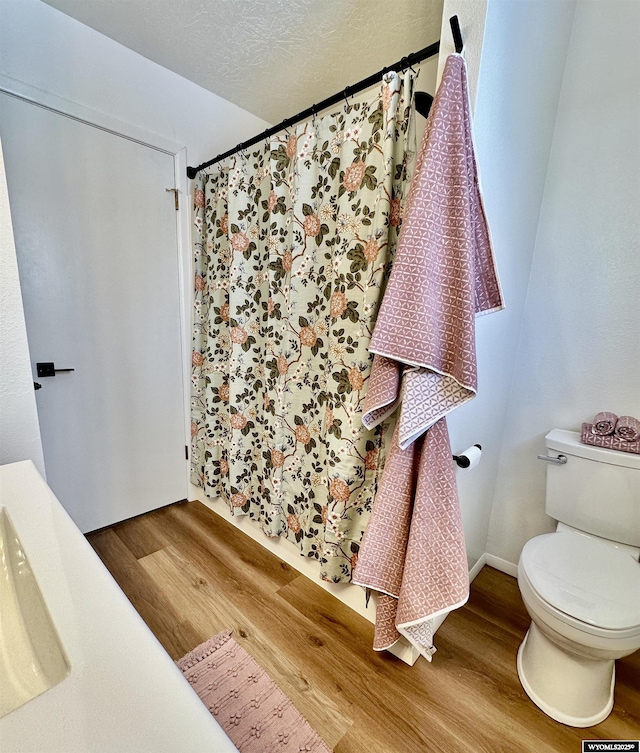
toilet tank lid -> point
(585, 578)
(568, 443)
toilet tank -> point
(596, 490)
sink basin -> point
(32, 658)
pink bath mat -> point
(256, 715)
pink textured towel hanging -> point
(444, 274)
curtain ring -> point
(314, 111)
(406, 66)
(345, 94)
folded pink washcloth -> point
(628, 428)
(604, 423)
(608, 441)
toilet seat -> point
(584, 582)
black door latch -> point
(48, 369)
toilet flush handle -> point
(560, 460)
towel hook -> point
(457, 34)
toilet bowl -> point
(581, 584)
(583, 596)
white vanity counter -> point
(123, 693)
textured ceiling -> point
(271, 57)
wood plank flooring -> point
(191, 574)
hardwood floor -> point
(191, 574)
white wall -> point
(44, 48)
(519, 80)
(55, 55)
(19, 430)
(579, 349)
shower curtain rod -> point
(406, 62)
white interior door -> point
(96, 241)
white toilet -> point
(581, 584)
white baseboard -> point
(482, 561)
(503, 565)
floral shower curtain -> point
(293, 245)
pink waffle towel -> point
(604, 423)
(444, 274)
